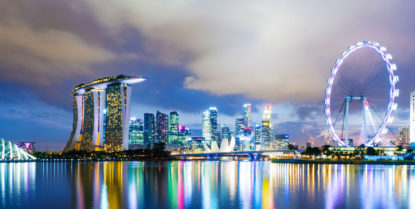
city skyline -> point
(239, 63)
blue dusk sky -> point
(196, 54)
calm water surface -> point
(204, 184)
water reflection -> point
(204, 184)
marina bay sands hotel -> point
(102, 114)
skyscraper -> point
(213, 117)
(101, 114)
(247, 115)
(239, 127)
(173, 126)
(117, 118)
(206, 126)
(412, 119)
(226, 133)
(161, 127)
(403, 136)
(149, 128)
(136, 132)
(183, 135)
(266, 130)
(257, 132)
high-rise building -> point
(183, 135)
(239, 127)
(136, 132)
(266, 131)
(101, 114)
(257, 132)
(412, 119)
(206, 126)
(403, 136)
(282, 141)
(267, 113)
(161, 127)
(149, 128)
(173, 127)
(226, 133)
(247, 115)
(213, 118)
(210, 124)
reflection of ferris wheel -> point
(370, 131)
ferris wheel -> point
(371, 131)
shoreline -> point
(354, 162)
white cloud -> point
(272, 50)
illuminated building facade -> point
(149, 128)
(239, 127)
(266, 130)
(136, 132)
(412, 119)
(183, 135)
(282, 141)
(257, 132)
(403, 138)
(173, 127)
(247, 115)
(213, 118)
(206, 126)
(226, 133)
(161, 127)
(102, 114)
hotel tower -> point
(101, 114)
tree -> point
(292, 147)
(371, 151)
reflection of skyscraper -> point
(149, 128)
(136, 132)
(173, 125)
(247, 114)
(161, 126)
(101, 114)
(213, 117)
(412, 119)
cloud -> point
(270, 50)
(42, 56)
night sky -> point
(195, 54)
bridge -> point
(253, 155)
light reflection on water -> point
(204, 184)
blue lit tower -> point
(136, 131)
(149, 128)
(101, 114)
(206, 125)
(161, 127)
(173, 127)
(239, 127)
(247, 115)
(226, 133)
(213, 118)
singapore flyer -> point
(359, 101)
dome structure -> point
(10, 151)
(225, 146)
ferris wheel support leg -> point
(364, 99)
(346, 118)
